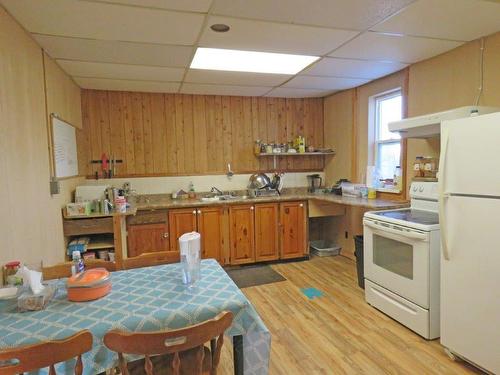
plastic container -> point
(358, 252)
(190, 245)
(324, 248)
(89, 285)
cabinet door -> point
(210, 226)
(293, 225)
(147, 238)
(241, 222)
(266, 231)
(182, 220)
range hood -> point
(430, 125)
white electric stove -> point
(402, 258)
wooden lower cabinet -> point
(242, 234)
(211, 227)
(147, 238)
(293, 223)
(181, 220)
(266, 232)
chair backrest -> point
(46, 354)
(171, 342)
(64, 269)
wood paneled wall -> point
(177, 134)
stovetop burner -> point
(412, 216)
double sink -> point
(223, 197)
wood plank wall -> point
(177, 134)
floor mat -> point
(249, 276)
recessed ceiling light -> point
(220, 28)
(250, 61)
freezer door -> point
(470, 280)
(470, 154)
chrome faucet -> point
(216, 191)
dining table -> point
(144, 300)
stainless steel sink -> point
(224, 197)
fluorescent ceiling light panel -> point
(250, 61)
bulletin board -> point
(64, 148)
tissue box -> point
(28, 301)
(78, 209)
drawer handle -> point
(301, 205)
(165, 235)
(194, 212)
(199, 212)
(252, 208)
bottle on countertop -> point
(78, 265)
(191, 192)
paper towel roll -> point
(370, 176)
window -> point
(387, 145)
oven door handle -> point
(412, 235)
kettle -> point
(314, 182)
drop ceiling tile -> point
(285, 92)
(448, 19)
(235, 78)
(181, 5)
(105, 21)
(397, 48)
(204, 89)
(273, 37)
(352, 14)
(121, 71)
(324, 83)
(125, 85)
(335, 67)
(115, 52)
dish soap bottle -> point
(191, 192)
(78, 265)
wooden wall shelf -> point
(294, 154)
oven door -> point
(397, 258)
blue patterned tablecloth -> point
(142, 299)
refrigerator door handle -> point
(443, 197)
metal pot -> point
(259, 181)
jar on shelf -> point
(269, 148)
(418, 166)
(256, 147)
(430, 167)
(263, 147)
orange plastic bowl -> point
(89, 285)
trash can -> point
(358, 252)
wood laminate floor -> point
(338, 333)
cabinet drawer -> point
(148, 217)
(320, 209)
(77, 227)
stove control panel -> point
(424, 190)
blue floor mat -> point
(312, 293)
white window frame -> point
(373, 131)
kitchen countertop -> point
(164, 201)
(131, 210)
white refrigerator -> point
(469, 216)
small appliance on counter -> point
(337, 188)
(314, 182)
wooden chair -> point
(46, 354)
(61, 270)
(178, 352)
